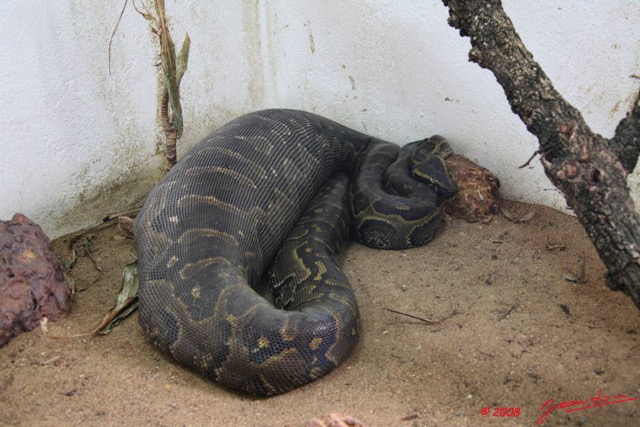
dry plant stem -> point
(591, 171)
(169, 67)
(170, 132)
(173, 69)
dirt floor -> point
(505, 330)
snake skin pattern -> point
(272, 196)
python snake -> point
(279, 189)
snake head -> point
(428, 165)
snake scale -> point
(273, 196)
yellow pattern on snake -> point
(276, 194)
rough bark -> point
(170, 132)
(590, 170)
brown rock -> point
(477, 198)
(32, 284)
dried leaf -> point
(145, 15)
(71, 282)
(513, 218)
(126, 301)
(183, 59)
(553, 246)
(527, 217)
(125, 225)
(69, 262)
(507, 214)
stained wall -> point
(81, 137)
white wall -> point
(79, 142)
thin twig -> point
(115, 215)
(533, 156)
(113, 33)
(430, 322)
(510, 310)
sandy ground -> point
(506, 331)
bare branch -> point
(626, 142)
(590, 170)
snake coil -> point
(276, 194)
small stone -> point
(335, 420)
(477, 198)
(32, 284)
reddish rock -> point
(32, 284)
(335, 420)
(477, 198)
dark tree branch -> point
(591, 171)
(626, 141)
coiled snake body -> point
(279, 188)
